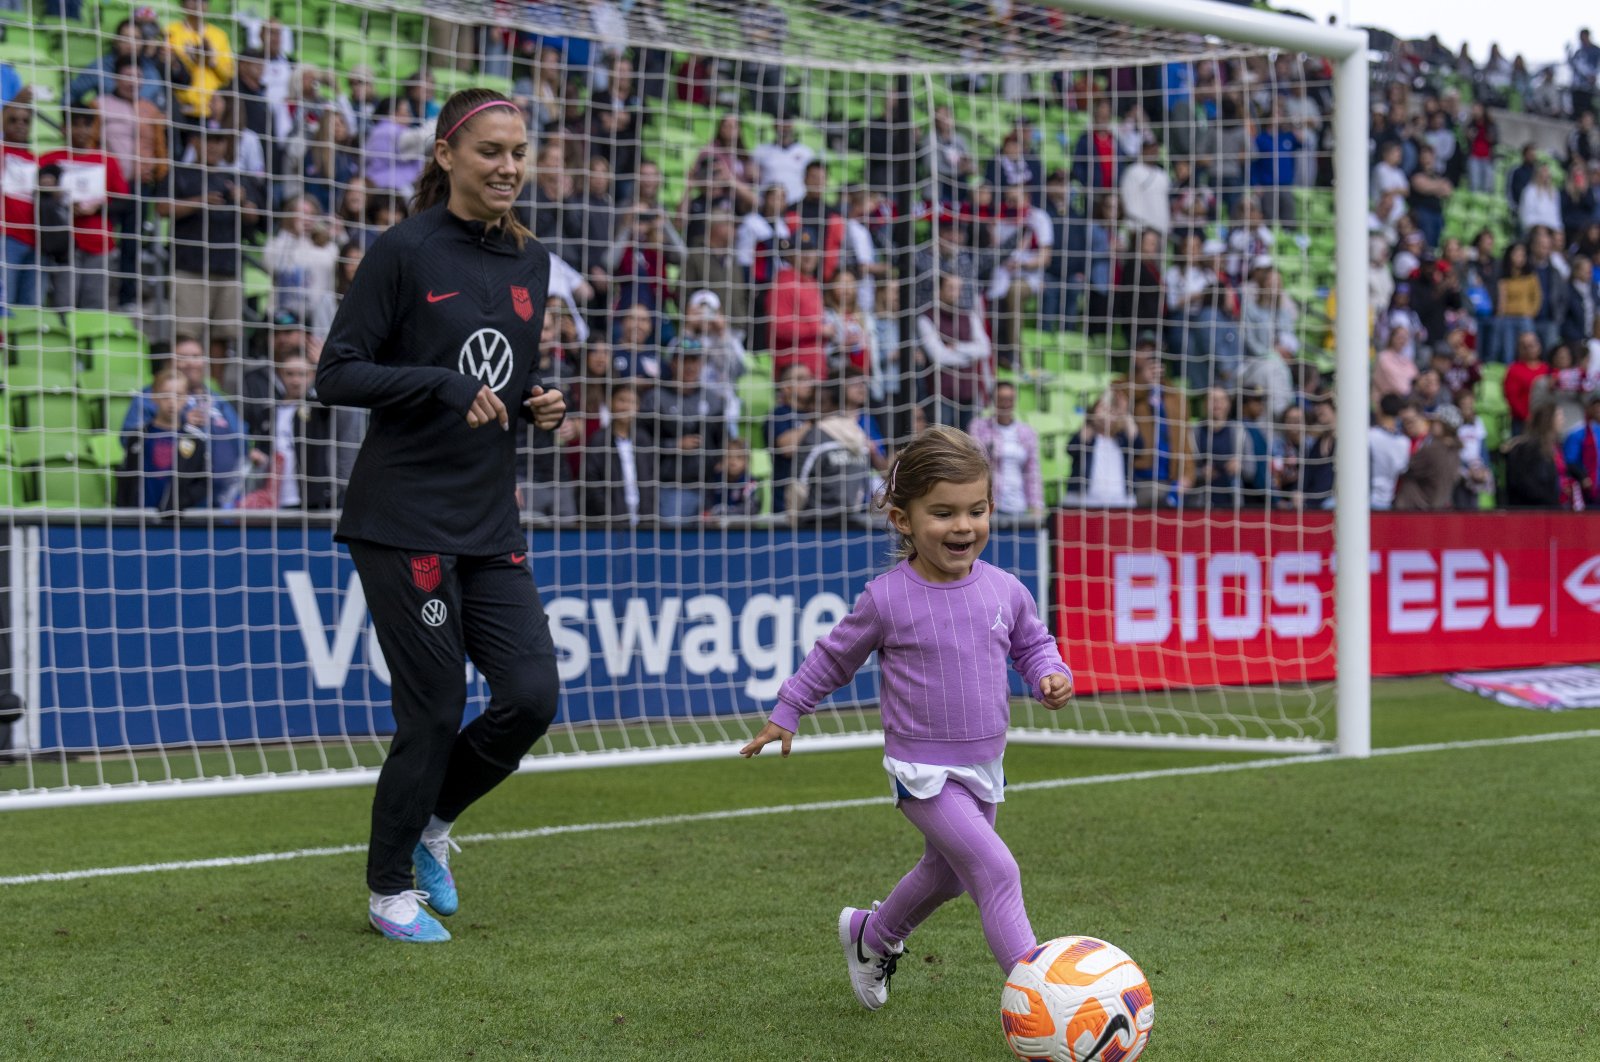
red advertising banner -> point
(1157, 600)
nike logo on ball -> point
(440, 298)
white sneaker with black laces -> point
(869, 971)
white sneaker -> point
(869, 971)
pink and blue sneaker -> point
(401, 917)
(432, 861)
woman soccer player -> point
(438, 335)
(943, 623)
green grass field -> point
(1425, 905)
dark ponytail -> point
(433, 187)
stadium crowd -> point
(752, 331)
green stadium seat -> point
(114, 372)
(41, 445)
(73, 486)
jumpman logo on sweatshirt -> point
(999, 623)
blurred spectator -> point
(722, 179)
(1519, 379)
(1023, 240)
(765, 28)
(1577, 325)
(1540, 202)
(1477, 478)
(721, 349)
(637, 355)
(1101, 251)
(860, 250)
(1101, 451)
(732, 491)
(1428, 394)
(91, 184)
(1431, 476)
(1225, 148)
(205, 411)
(1585, 63)
(1272, 167)
(1316, 460)
(1536, 470)
(320, 317)
(20, 222)
(206, 54)
(1013, 449)
(1389, 451)
(1428, 194)
(214, 210)
(833, 478)
(297, 453)
(784, 161)
(1147, 190)
(815, 216)
(1481, 136)
(1249, 241)
(1141, 297)
(689, 425)
(620, 464)
(332, 160)
(799, 325)
(1012, 168)
(1577, 199)
(1163, 468)
(787, 424)
(852, 339)
(1460, 368)
(589, 223)
(1581, 454)
(1521, 175)
(1548, 264)
(950, 160)
(164, 464)
(639, 262)
(1096, 164)
(853, 395)
(396, 148)
(1389, 174)
(301, 258)
(1518, 303)
(616, 118)
(955, 344)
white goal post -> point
(229, 650)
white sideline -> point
(777, 809)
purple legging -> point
(963, 854)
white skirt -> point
(987, 781)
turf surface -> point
(1429, 905)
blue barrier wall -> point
(166, 635)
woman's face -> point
(488, 165)
(351, 261)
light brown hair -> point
(941, 454)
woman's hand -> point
(487, 407)
(548, 408)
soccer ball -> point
(1077, 999)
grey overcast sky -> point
(1540, 29)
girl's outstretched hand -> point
(769, 733)
(1055, 690)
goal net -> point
(787, 236)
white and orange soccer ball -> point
(1077, 999)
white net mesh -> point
(1105, 249)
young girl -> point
(944, 623)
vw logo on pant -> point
(487, 355)
(434, 612)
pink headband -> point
(480, 107)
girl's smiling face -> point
(947, 527)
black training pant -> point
(431, 612)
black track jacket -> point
(438, 308)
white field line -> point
(773, 809)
